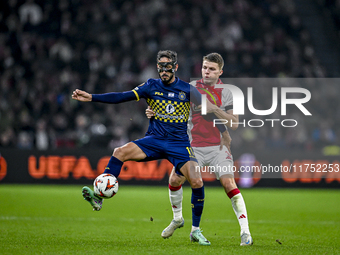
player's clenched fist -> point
(81, 96)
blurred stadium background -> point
(48, 48)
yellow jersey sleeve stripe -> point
(136, 94)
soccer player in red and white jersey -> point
(210, 148)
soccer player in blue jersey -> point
(208, 145)
(166, 138)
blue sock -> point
(197, 203)
(114, 166)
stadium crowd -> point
(333, 6)
(49, 48)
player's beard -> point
(166, 78)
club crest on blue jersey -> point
(170, 109)
(182, 95)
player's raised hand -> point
(81, 95)
(149, 112)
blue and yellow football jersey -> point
(167, 135)
(171, 104)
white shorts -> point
(220, 162)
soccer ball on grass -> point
(105, 186)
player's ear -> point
(176, 68)
(221, 72)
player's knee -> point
(196, 183)
(119, 153)
(175, 181)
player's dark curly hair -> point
(215, 58)
(168, 54)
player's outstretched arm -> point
(109, 98)
(81, 95)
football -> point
(105, 186)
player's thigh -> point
(129, 151)
(200, 155)
(182, 156)
(226, 169)
(179, 153)
(152, 146)
(222, 161)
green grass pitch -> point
(49, 219)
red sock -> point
(172, 188)
(233, 192)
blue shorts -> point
(176, 151)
